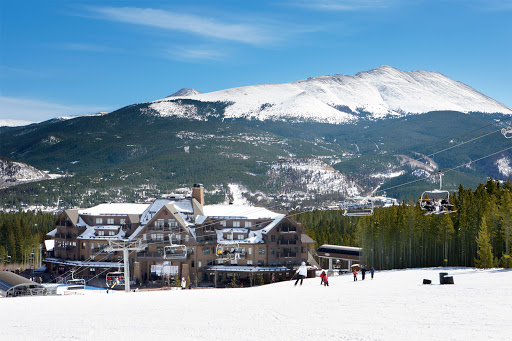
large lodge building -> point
(180, 236)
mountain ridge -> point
(378, 93)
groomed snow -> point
(393, 306)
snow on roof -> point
(115, 209)
(90, 232)
(200, 219)
(270, 226)
(254, 237)
(84, 263)
(239, 212)
(49, 244)
(52, 233)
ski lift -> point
(115, 278)
(358, 207)
(175, 252)
(507, 132)
(75, 283)
(436, 201)
(227, 251)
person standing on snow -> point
(301, 272)
(183, 283)
(322, 277)
(363, 272)
(372, 271)
(325, 280)
(355, 275)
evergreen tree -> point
(485, 257)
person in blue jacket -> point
(372, 271)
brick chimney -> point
(198, 193)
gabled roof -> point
(72, 215)
(115, 209)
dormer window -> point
(99, 221)
(101, 233)
(248, 224)
(110, 221)
(236, 223)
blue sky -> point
(80, 57)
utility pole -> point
(125, 246)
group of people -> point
(439, 205)
(363, 273)
(302, 273)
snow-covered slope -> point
(14, 123)
(339, 99)
(393, 306)
(14, 173)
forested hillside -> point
(21, 235)
(403, 236)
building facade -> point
(181, 237)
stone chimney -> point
(198, 193)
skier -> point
(355, 275)
(301, 272)
(372, 271)
(363, 272)
(325, 279)
(183, 283)
(322, 277)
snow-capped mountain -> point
(14, 123)
(338, 99)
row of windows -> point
(236, 223)
(110, 221)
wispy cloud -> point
(345, 5)
(194, 54)
(242, 32)
(37, 111)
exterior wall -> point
(282, 246)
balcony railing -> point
(287, 242)
(286, 254)
(158, 255)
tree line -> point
(21, 234)
(478, 234)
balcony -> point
(286, 254)
(157, 255)
(287, 230)
(287, 242)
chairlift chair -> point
(358, 207)
(436, 201)
(114, 278)
(175, 252)
(507, 132)
(227, 251)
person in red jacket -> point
(355, 275)
(325, 280)
(322, 277)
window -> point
(111, 233)
(92, 246)
(229, 236)
(273, 262)
(249, 262)
(199, 264)
(206, 251)
(250, 250)
(236, 223)
(273, 238)
(261, 251)
(272, 251)
(172, 223)
(240, 237)
(110, 221)
(145, 236)
(83, 246)
(186, 238)
(159, 223)
(101, 233)
(99, 221)
(122, 221)
(248, 224)
(92, 271)
(192, 263)
(223, 223)
(159, 236)
(261, 262)
(209, 262)
(303, 249)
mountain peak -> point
(185, 92)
